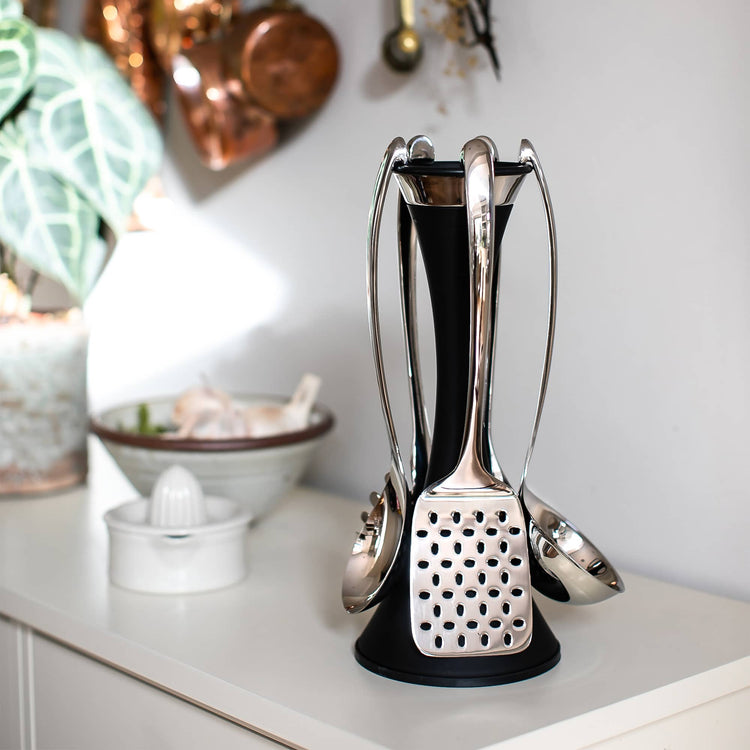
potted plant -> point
(76, 148)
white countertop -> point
(275, 653)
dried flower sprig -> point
(469, 24)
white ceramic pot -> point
(43, 415)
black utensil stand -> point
(386, 646)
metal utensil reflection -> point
(224, 126)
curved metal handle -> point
(407, 14)
(529, 156)
(478, 158)
(394, 154)
(491, 457)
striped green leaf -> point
(45, 221)
(17, 61)
(84, 123)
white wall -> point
(640, 114)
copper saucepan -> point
(286, 59)
(223, 124)
(274, 63)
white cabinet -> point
(721, 723)
(268, 663)
(83, 704)
(55, 698)
(11, 718)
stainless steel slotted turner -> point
(469, 570)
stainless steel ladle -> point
(569, 567)
(377, 545)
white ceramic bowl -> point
(253, 471)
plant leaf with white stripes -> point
(46, 222)
(84, 123)
(17, 61)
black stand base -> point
(387, 648)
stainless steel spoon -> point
(569, 567)
(402, 47)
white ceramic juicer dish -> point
(178, 541)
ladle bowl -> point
(573, 570)
(375, 550)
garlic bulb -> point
(262, 421)
(208, 413)
(202, 399)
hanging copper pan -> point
(287, 60)
(224, 126)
